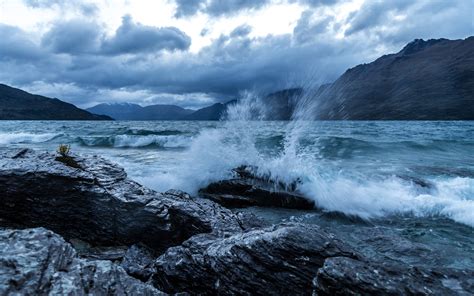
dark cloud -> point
(75, 62)
(73, 37)
(133, 37)
(16, 45)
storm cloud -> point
(80, 61)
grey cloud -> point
(240, 31)
(73, 37)
(216, 7)
(187, 7)
(229, 7)
(228, 65)
(375, 12)
(219, 7)
(133, 37)
(15, 44)
(86, 8)
(307, 30)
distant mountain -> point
(426, 80)
(128, 111)
(213, 112)
(16, 104)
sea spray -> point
(215, 152)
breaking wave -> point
(214, 153)
(26, 138)
(136, 141)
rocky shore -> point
(89, 229)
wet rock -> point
(39, 262)
(100, 205)
(280, 260)
(138, 261)
(348, 276)
(250, 189)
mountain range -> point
(16, 104)
(426, 80)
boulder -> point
(249, 189)
(94, 201)
(39, 262)
(278, 260)
(348, 276)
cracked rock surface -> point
(37, 261)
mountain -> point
(213, 112)
(426, 80)
(16, 104)
(128, 111)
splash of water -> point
(215, 152)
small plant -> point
(64, 150)
(65, 158)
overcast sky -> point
(196, 52)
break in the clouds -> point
(193, 53)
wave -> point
(136, 141)
(26, 138)
(214, 153)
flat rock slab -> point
(97, 203)
(39, 262)
(238, 193)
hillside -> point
(426, 80)
(16, 104)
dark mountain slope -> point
(17, 104)
(213, 112)
(426, 80)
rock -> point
(100, 205)
(39, 262)
(348, 276)
(280, 260)
(252, 190)
(138, 261)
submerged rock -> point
(97, 203)
(348, 276)
(278, 260)
(39, 262)
(251, 190)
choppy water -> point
(416, 178)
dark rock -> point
(138, 261)
(277, 260)
(39, 262)
(250, 189)
(347, 276)
(100, 205)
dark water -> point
(412, 179)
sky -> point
(193, 53)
